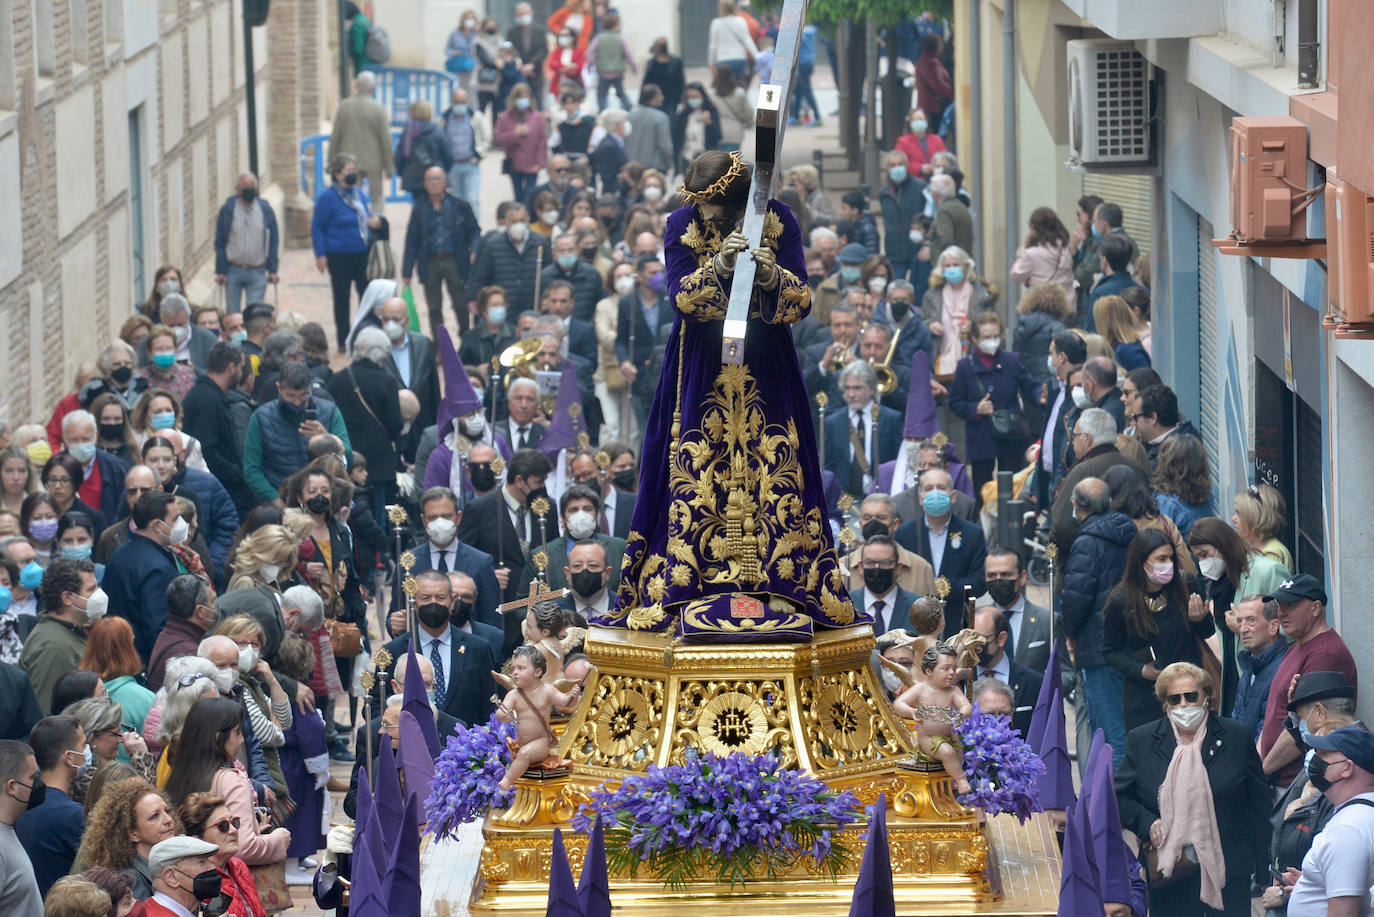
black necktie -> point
(524, 438)
(856, 471)
(443, 561)
(878, 621)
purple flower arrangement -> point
(466, 776)
(1001, 768)
(737, 817)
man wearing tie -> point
(855, 442)
(443, 552)
(465, 595)
(994, 662)
(1029, 624)
(522, 405)
(588, 576)
(503, 524)
(887, 603)
(955, 547)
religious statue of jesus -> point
(729, 540)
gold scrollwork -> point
(623, 723)
(726, 717)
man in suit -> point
(444, 551)
(617, 494)
(102, 485)
(553, 353)
(465, 595)
(954, 547)
(881, 598)
(590, 577)
(390, 719)
(139, 570)
(609, 155)
(462, 662)
(639, 340)
(1066, 353)
(414, 365)
(856, 442)
(994, 662)
(907, 504)
(876, 517)
(579, 507)
(838, 342)
(587, 284)
(579, 337)
(1094, 434)
(1099, 384)
(520, 429)
(193, 341)
(1028, 640)
(502, 523)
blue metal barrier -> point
(397, 87)
(313, 177)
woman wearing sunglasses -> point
(1149, 623)
(1192, 790)
(207, 816)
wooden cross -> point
(536, 595)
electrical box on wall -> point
(1268, 176)
(1349, 259)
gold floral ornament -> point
(574, 410)
(1051, 551)
(382, 659)
(845, 502)
(498, 465)
(463, 445)
(847, 537)
(623, 724)
(541, 560)
(410, 586)
(733, 722)
(844, 718)
(602, 459)
(540, 507)
(407, 560)
(822, 399)
(939, 440)
(942, 588)
(396, 514)
(583, 440)
(368, 680)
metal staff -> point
(538, 269)
(873, 456)
(628, 410)
(822, 399)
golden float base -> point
(818, 706)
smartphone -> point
(309, 412)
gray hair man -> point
(246, 242)
(469, 139)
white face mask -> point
(475, 425)
(1188, 718)
(97, 603)
(550, 217)
(989, 345)
(1214, 568)
(224, 680)
(269, 572)
(625, 285)
(1080, 398)
(1049, 361)
(441, 531)
(564, 41)
(581, 524)
(181, 530)
(394, 330)
(518, 232)
(877, 285)
(653, 193)
(248, 657)
(916, 236)
(524, 19)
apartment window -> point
(81, 31)
(45, 41)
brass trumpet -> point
(887, 379)
(841, 359)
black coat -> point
(428, 149)
(607, 159)
(649, 343)
(479, 529)
(499, 263)
(207, 418)
(588, 288)
(1239, 794)
(1128, 652)
(463, 233)
(368, 396)
(961, 565)
(424, 382)
(468, 685)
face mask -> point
(122, 374)
(238, 337)
(1003, 592)
(1097, 233)
(475, 425)
(874, 527)
(1049, 361)
(1304, 732)
(82, 452)
(694, 103)
(625, 480)
(518, 232)
(524, 19)
(111, 431)
(490, 30)
(878, 581)
(535, 494)
(269, 572)
(433, 614)
(1316, 773)
(163, 420)
(916, 236)
(876, 285)
(441, 531)
(77, 551)
(522, 103)
(248, 657)
(1080, 398)
(954, 274)
(164, 360)
(586, 583)
(31, 576)
(1160, 574)
(653, 193)
(581, 524)
(43, 529)
(658, 282)
(206, 885)
(395, 331)
(496, 315)
(919, 125)
(5, 598)
(38, 791)
(935, 502)
(897, 174)
(566, 262)
(248, 195)
(1212, 567)
(461, 613)
(850, 274)
(351, 179)
(181, 530)
(1188, 718)
(460, 109)
(989, 345)
(224, 680)
(318, 504)
(625, 285)
(97, 603)
(469, 24)
(482, 477)
(898, 309)
(168, 287)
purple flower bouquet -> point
(466, 776)
(1001, 768)
(739, 817)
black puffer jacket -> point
(1031, 341)
(1096, 559)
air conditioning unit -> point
(1349, 259)
(1268, 171)
(1111, 104)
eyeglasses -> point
(187, 681)
(1189, 697)
(223, 826)
(53, 479)
(880, 564)
(1137, 415)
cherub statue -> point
(938, 706)
(528, 704)
(928, 617)
(543, 624)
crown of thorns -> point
(736, 169)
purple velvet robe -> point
(729, 540)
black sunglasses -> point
(1191, 697)
(224, 825)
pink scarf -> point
(954, 305)
(1189, 817)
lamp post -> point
(254, 14)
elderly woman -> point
(186, 680)
(102, 720)
(163, 370)
(339, 234)
(159, 413)
(62, 476)
(954, 297)
(264, 558)
(1258, 518)
(1192, 788)
(207, 816)
(988, 381)
(130, 818)
(117, 364)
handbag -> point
(1186, 867)
(344, 638)
(459, 63)
(1007, 424)
(273, 892)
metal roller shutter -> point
(1132, 192)
(1208, 343)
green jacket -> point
(357, 42)
(53, 649)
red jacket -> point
(932, 86)
(558, 72)
(237, 884)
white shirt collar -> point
(1001, 671)
(597, 603)
(404, 344)
(172, 904)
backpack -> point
(378, 46)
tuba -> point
(518, 359)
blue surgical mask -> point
(77, 552)
(164, 360)
(31, 576)
(897, 174)
(954, 274)
(935, 502)
(566, 262)
(163, 420)
(460, 110)
(1304, 732)
(5, 598)
(850, 274)
(919, 125)
(1097, 233)
(238, 337)
(522, 103)
(496, 314)
(694, 103)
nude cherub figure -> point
(938, 706)
(541, 628)
(528, 704)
